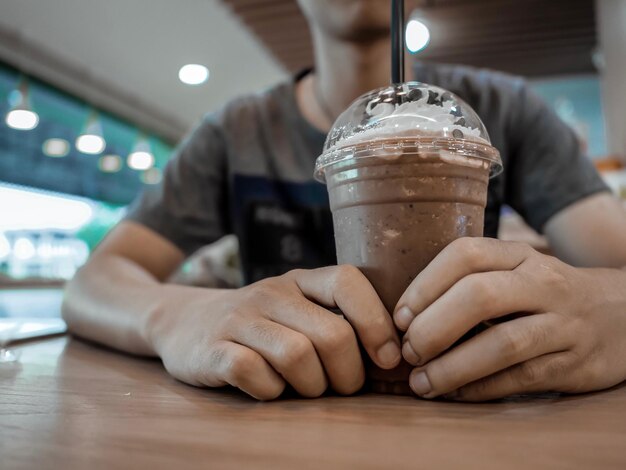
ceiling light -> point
(91, 140)
(110, 163)
(21, 117)
(90, 144)
(417, 36)
(56, 147)
(140, 160)
(151, 176)
(193, 74)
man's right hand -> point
(278, 331)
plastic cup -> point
(403, 182)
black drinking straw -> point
(397, 41)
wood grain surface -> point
(72, 405)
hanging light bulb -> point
(21, 116)
(141, 158)
(152, 176)
(55, 147)
(110, 163)
(91, 141)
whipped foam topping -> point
(432, 112)
(398, 117)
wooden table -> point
(71, 405)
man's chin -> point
(363, 33)
(357, 20)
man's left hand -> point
(563, 328)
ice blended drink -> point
(407, 169)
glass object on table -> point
(7, 330)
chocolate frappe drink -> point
(407, 169)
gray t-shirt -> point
(248, 169)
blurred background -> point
(94, 95)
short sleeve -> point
(548, 170)
(189, 206)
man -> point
(248, 169)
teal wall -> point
(578, 101)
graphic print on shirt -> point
(281, 226)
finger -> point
(460, 258)
(492, 351)
(289, 352)
(475, 298)
(546, 373)
(333, 338)
(233, 364)
(348, 289)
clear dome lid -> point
(406, 115)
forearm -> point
(115, 302)
(590, 233)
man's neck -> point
(343, 71)
(346, 70)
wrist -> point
(152, 324)
(172, 303)
(605, 283)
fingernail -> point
(409, 354)
(420, 384)
(389, 354)
(403, 318)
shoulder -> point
(248, 109)
(505, 103)
(497, 97)
(238, 117)
(466, 79)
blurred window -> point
(56, 201)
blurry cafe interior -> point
(94, 97)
